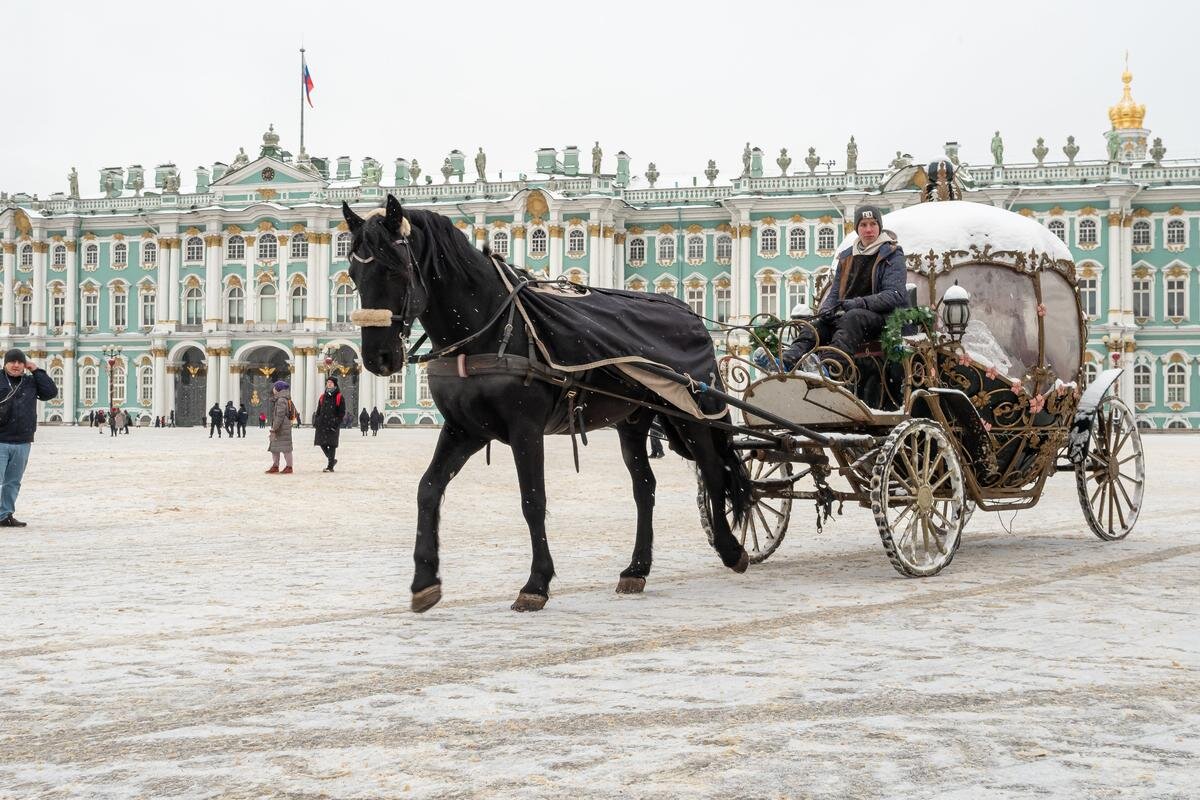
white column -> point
(250, 287)
(71, 326)
(173, 254)
(608, 258)
(310, 381)
(169, 394)
(282, 298)
(68, 398)
(163, 300)
(556, 246)
(596, 275)
(480, 234)
(10, 272)
(159, 353)
(319, 284)
(212, 383)
(517, 244)
(300, 389)
(1114, 268)
(742, 283)
(38, 323)
(227, 381)
(315, 243)
(213, 255)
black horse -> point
(410, 265)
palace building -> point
(211, 294)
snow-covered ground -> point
(178, 624)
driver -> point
(869, 284)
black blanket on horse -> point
(578, 328)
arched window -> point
(120, 254)
(666, 249)
(424, 396)
(537, 243)
(724, 247)
(1177, 425)
(235, 306)
(342, 247)
(694, 296)
(91, 310)
(268, 247)
(58, 309)
(267, 305)
(1058, 228)
(826, 240)
(722, 301)
(395, 394)
(235, 248)
(797, 240)
(1141, 384)
(299, 247)
(91, 255)
(575, 241)
(145, 385)
(1176, 296)
(149, 253)
(299, 304)
(1176, 383)
(1090, 371)
(1089, 296)
(768, 294)
(56, 375)
(769, 241)
(149, 299)
(118, 385)
(1143, 297)
(58, 258)
(89, 380)
(797, 289)
(1141, 233)
(120, 306)
(1175, 232)
(500, 243)
(695, 248)
(1087, 231)
(637, 251)
(193, 306)
(344, 302)
(194, 249)
(26, 255)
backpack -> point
(293, 414)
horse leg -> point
(528, 447)
(454, 447)
(713, 470)
(633, 449)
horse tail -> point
(738, 487)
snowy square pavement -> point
(176, 624)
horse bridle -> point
(407, 319)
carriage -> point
(971, 399)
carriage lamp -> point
(956, 310)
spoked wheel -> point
(918, 499)
(1112, 477)
(762, 529)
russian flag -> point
(307, 80)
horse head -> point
(384, 254)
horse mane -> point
(458, 258)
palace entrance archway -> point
(345, 367)
(191, 388)
(262, 366)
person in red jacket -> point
(327, 420)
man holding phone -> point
(23, 384)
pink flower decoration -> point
(1017, 388)
(1061, 389)
(987, 426)
(1041, 309)
(965, 360)
(1036, 403)
(991, 373)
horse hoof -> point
(631, 585)
(427, 598)
(743, 563)
(529, 602)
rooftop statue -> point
(597, 153)
(746, 161)
(240, 160)
(481, 165)
(73, 181)
(997, 150)
(852, 156)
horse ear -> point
(395, 214)
(353, 220)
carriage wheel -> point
(1112, 477)
(918, 499)
(762, 529)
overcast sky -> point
(111, 84)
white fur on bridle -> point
(372, 317)
(405, 228)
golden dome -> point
(1127, 114)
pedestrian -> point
(282, 412)
(230, 418)
(24, 384)
(364, 420)
(262, 419)
(376, 421)
(125, 421)
(100, 421)
(331, 408)
(92, 419)
(172, 419)
(214, 419)
(242, 416)
(114, 421)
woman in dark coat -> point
(364, 420)
(327, 420)
(376, 421)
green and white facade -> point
(212, 293)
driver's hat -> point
(868, 212)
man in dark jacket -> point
(364, 420)
(214, 420)
(869, 283)
(376, 421)
(230, 418)
(243, 416)
(24, 383)
(327, 420)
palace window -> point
(56, 375)
(826, 239)
(120, 254)
(149, 253)
(666, 249)
(59, 257)
(1176, 383)
(1177, 425)
(537, 243)
(797, 291)
(118, 385)
(235, 248)
(91, 310)
(299, 246)
(149, 307)
(145, 385)
(396, 388)
(1141, 384)
(797, 240)
(695, 248)
(637, 251)
(724, 248)
(695, 299)
(26, 255)
(500, 243)
(235, 306)
(268, 247)
(1087, 231)
(193, 306)
(575, 243)
(723, 301)
(1176, 298)
(768, 296)
(1141, 233)
(193, 249)
(90, 380)
(24, 310)
(91, 255)
(58, 310)
(1089, 296)
(342, 247)
(344, 302)
(120, 307)
(1090, 371)
(267, 305)
(424, 396)
(1142, 294)
(769, 241)
(299, 304)
(666, 287)
(1175, 232)
(1058, 228)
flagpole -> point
(301, 99)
